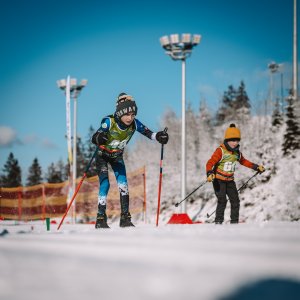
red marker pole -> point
(160, 179)
(77, 189)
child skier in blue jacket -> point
(113, 135)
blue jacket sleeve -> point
(141, 128)
(105, 125)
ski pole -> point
(160, 179)
(243, 186)
(78, 187)
(176, 204)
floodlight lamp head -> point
(73, 82)
(186, 38)
(174, 38)
(281, 65)
(196, 39)
(61, 84)
(273, 67)
(83, 82)
(164, 41)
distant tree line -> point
(11, 175)
(235, 106)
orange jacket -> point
(217, 157)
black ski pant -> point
(222, 190)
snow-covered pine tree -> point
(172, 159)
(241, 105)
(81, 158)
(34, 173)
(205, 135)
(277, 117)
(12, 176)
(192, 148)
(291, 141)
(235, 106)
(226, 110)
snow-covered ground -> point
(199, 261)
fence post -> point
(145, 202)
(20, 203)
(43, 202)
(0, 203)
(48, 223)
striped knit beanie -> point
(125, 104)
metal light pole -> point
(273, 67)
(180, 48)
(295, 54)
(74, 91)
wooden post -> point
(20, 203)
(145, 202)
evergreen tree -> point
(206, 132)
(67, 171)
(63, 169)
(192, 141)
(173, 123)
(242, 105)
(291, 141)
(12, 173)
(277, 118)
(235, 105)
(242, 99)
(204, 114)
(81, 162)
(226, 110)
(89, 151)
(34, 174)
(57, 173)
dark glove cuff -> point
(255, 167)
(94, 138)
(99, 138)
(209, 172)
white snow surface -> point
(198, 261)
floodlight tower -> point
(273, 67)
(295, 54)
(180, 48)
(74, 91)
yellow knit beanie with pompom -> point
(232, 133)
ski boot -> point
(218, 222)
(101, 221)
(125, 220)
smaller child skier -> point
(220, 171)
(111, 138)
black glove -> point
(99, 138)
(259, 168)
(210, 176)
(162, 137)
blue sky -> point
(115, 45)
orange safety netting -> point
(49, 200)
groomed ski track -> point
(199, 261)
